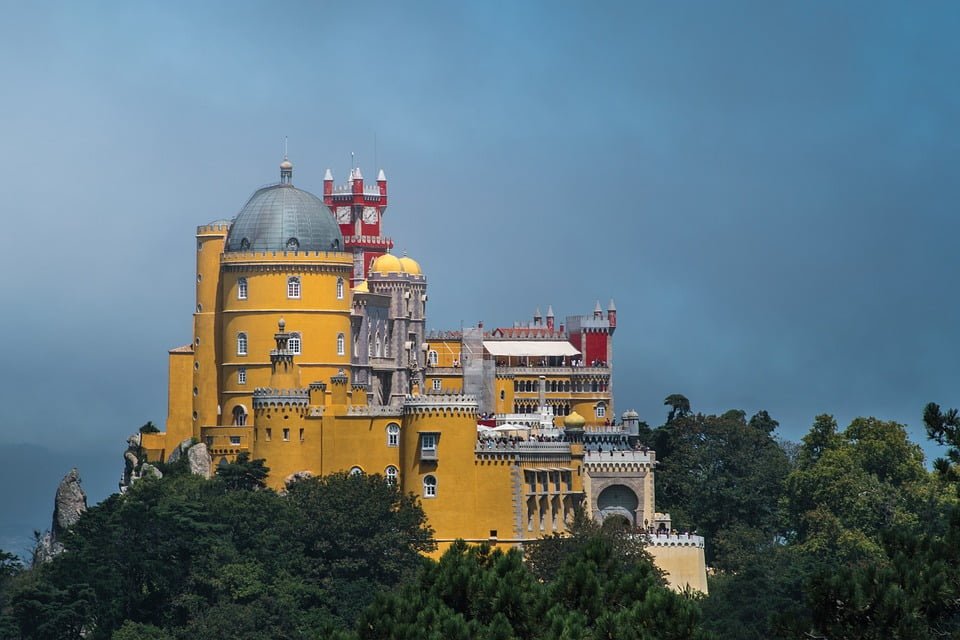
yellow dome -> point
(362, 287)
(410, 266)
(574, 420)
(386, 264)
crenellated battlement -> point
(268, 397)
(441, 404)
(214, 229)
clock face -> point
(343, 214)
(369, 215)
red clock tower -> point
(359, 211)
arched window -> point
(429, 487)
(377, 348)
(242, 375)
(293, 344)
(341, 348)
(391, 474)
(356, 471)
(241, 288)
(241, 344)
(369, 344)
(432, 358)
(293, 287)
(339, 288)
(393, 435)
(239, 416)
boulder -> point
(68, 505)
(199, 458)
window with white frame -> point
(428, 446)
(393, 435)
(432, 358)
(391, 474)
(241, 344)
(293, 343)
(293, 287)
(356, 471)
(242, 375)
(436, 384)
(601, 410)
(241, 288)
(339, 288)
(429, 487)
(341, 347)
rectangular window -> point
(241, 288)
(436, 384)
(293, 288)
(242, 375)
(269, 433)
(286, 435)
(428, 446)
(235, 440)
(301, 435)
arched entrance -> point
(618, 501)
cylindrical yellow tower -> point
(210, 242)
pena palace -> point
(309, 350)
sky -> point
(767, 190)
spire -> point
(381, 176)
(597, 311)
(327, 175)
(611, 306)
(549, 310)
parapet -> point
(268, 397)
(441, 403)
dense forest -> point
(845, 534)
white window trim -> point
(436, 384)
(241, 288)
(391, 473)
(242, 375)
(429, 489)
(242, 344)
(339, 288)
(294, 340)
(341, 347)
(393, 435)
(293, 288)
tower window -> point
(242, 375)
(432, 358)
(601, 410)
(293, 344)
(436, 384)
(341, 347)
(241, 289)
(339, 288)
(241, 344)
(286, 435)
(391, 475)
(235, 440)
(393, 435)
(429, 487)
(293, 287)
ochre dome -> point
(362, 287)
(411, 266)
(574, 421)
(283, 218)
(386, 264)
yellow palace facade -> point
(309, 350)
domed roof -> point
(362, 287)
(411, 266)
(386, 263)
(574, 421)
(283, 218)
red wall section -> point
(596, 347)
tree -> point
(944, 429)
(679, 406)
(149, 427)
(722, 475)
(244, 474)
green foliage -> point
(244, 474)
(149, 427)
(722, 475)
(679, 406)
(944, 429)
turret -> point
(537, 318)
(612, 315)
(286, 171)
(597, 311)
(550, 317)
(327, 186)
(382, 186)
(357, 178)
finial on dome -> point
(286, 171)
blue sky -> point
(767, 190)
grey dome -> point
(283, 218)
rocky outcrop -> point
(134, 466)
(297, 477)
(70, 503)
(199, 458)
(179, 450)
